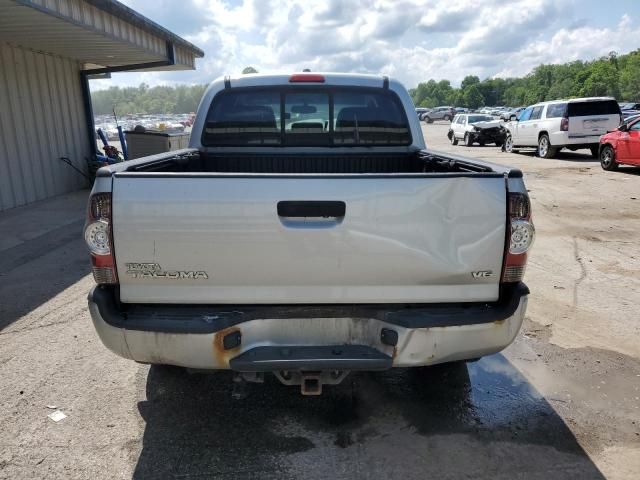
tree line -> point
(145, 99)
(614, 75)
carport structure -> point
(49, 49)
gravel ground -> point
(561, 402)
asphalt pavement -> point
(561, 402)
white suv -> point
(476, 128)
(572, 124)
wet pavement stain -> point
(344, 439)
(373, 425)
(194, 427)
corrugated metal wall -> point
(41, 119)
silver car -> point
(511, 114)
(439, 113)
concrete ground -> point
(561, 402)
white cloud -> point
(567, 45)
(413, 40)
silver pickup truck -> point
(307, 232)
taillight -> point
(306, 77)
(521, 234)
(99, 239)
(564, 124)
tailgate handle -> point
(312, 208)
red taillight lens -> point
(520, 236)
(99, 239)
(104, 269)
(306, 77)
(564, 124)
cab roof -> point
(330, 78)
(575, 100)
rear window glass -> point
(337, 116)
(583, 109)
(556, 110)
(244, 118)
(306, 118)
(369, 119)
(480, 118)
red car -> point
(622, 146)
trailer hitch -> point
(311, 382)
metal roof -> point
(97, 33)
(127, 14)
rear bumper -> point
(564, 139)
(267, 338)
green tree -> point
(613, 75)
(145, 99)
(247, 70)
(562, 89)
(492, 90)
(603, 80)
(468, 81)
(428, 102)
(472, 97)
(630, 77)
(514, 95)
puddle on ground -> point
(500, 393)
(490, 394)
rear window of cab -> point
(306, 116)
(593, 107)
(582, 109)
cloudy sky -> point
(412, 40)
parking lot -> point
(562, 402)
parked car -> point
(439, 113)
(622, 146)
(630, 113)
(497, 111)
(475, 128)
(420, 111)
(630, 106)
(573, 124)
(629, 119)
(511, 114)
(334, 262)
